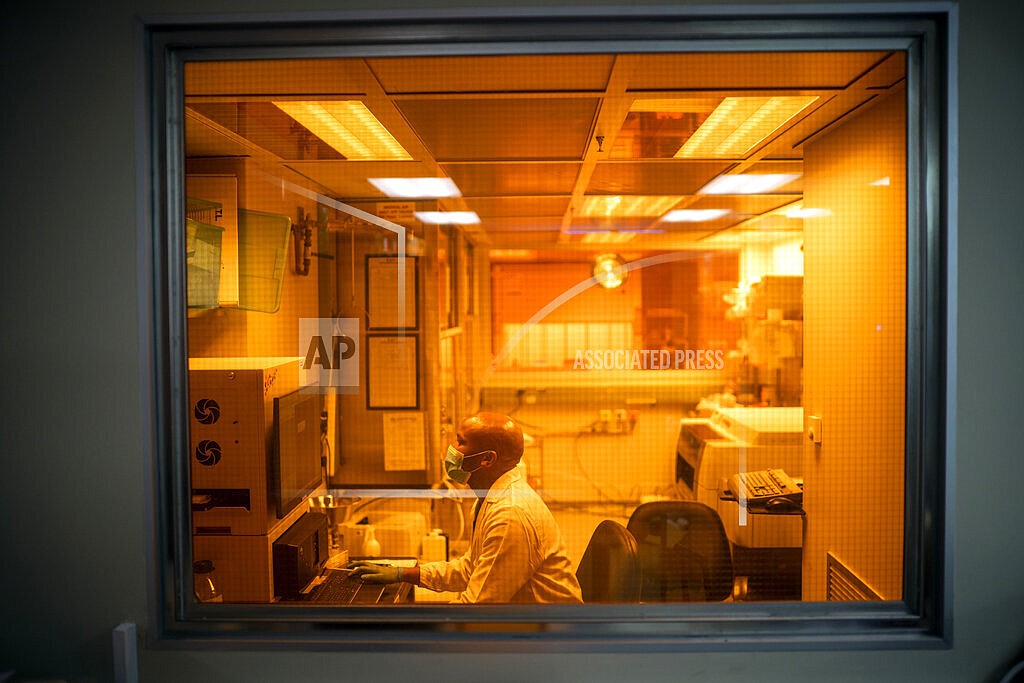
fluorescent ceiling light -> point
(881, 182)
(808, 212)
(739, 124)
(605, 206)
(416, 188)
(748, 183)
(347, 126)
(694, 215)
(447, 217)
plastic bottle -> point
(371, 546)
(435, 546)
(204, 583)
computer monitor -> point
(296, 469)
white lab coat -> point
(516, 555)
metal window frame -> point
(927, 31)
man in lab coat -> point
(516, 553)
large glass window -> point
(691, 278)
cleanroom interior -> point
(670, 269)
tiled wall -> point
(854, 349)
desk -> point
(394, 593)
(369, 593)
(767, 549)
(397, 594)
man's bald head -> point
(495, 432)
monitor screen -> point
(296, 469)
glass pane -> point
(656, 326)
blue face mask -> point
(455, 464)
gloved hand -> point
(373, 572)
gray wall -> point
(73, 512)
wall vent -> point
(843, 585)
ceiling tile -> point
(524, 73)
(203, 141)
(732, 71)
(653, 178)
(743, 205)
(655, 135)
(612, 223)
(510, 129)
(278, 77)
(519, 207)
(519, 240)
(348, 179)
(701, 226)
(522, 223)
(268, 127)
(496, 180)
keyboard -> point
(340, 588)
(761, 484)
(758, 488)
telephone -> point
(770, 489)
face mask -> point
(455, 462)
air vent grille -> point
(206, 411)
(844, 585)
(208, 453)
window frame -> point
(922, 619)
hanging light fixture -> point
(610, 271)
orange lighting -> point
(607, 237)
(740, 124)
(602, 206)
(609, 271)
(347, 126)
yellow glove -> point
(374, 572)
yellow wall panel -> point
(855, 349)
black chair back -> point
(609, 570)
(684, 552)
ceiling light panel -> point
(626, 205)
(416, 188)
(748, 183)
(347, 126)
(447, 217)
(739, 124)
(694, 215)
(807, 212)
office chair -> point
(684, 552)
(609, 570)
